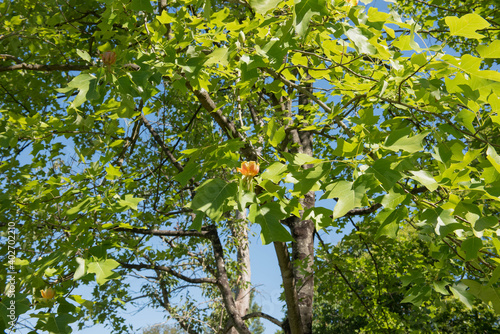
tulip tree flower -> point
(48, 293)
(249, 169)
(108, 58)
(352, 2)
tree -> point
(162, 329)
(373, 278)
(123, 122)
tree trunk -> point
(239, 230)
(303, 233)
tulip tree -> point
(123, 125)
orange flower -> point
(352, 2)
(249, 168)
(48, 293)
(108, 58)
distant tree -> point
(163, 329)
(365, 285)
(256, 326)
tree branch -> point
(263, 315)
(59, 67)
(162, 144)
(171, 272)
(226, 125)
(204, 233)
(310, 95)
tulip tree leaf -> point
(212, 196)
(383, 172)
(263, 6)
(142, 5)
(268, 216)
(466, 25)
(471, 246)
(487, 294)
(400, 140)
(490, 51)
(103, 270)
(425, 178)
(348, 196)
(493, 157)
(55, 323)
(303, 12)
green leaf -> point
(211, 197)
(82, 206)
(361, 41)
(490, 51)
(81, 270)
(321, 217)
(113, 173)
(190, 170)
(466, 117)
(471, 246)
(466, 25)
(493, 157)
(425, 178)
(460, 292)
(440, 287)
(218, 56)
(383, 172)
(394, 197)
(263, 6)
(348, 197)
(86, 85)
(308, 178)
(55, 323)
(303, 11)
(268, 216)
(103, 270)
(130, 201)
(442, 220)
(399, 140)
(197, 221)
(274, 172)
(486, 293)
(275, 134)
(485, 222)
(389, 220)
(300, 159)
(142, 5)
(84, 55)
(245, 197)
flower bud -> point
(241, 38)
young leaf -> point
(466, 25)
